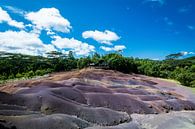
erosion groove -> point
(96, 99)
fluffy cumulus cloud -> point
(74, 45)
(115, 48)
(48, 19)
(5, 17)
(23, 42)
(106, 37)
(27, 39)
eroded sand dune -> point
(95, 98)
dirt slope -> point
(95, 98)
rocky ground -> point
(96, 99)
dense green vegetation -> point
(24, 66)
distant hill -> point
(192, 59)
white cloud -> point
(191, 27)
(184, 53)
(74, 45)
(23, 42)
(168, 21)
(28, 41)
(185, 9)
(16, 10)
(48, 19)
(161, 2)
(156, 59)
(105, 37)
(5, 17)
(115, 48)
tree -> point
(71, 55)
(84, 62)
(192, 69)
(96, 58)
(19, 65)
(120, 63)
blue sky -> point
(141, 28)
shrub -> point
(19, 75)
(29, 74)
(40, 72)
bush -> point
(49, 70)
(11, 76)
(192, 84)
(40, 72)
(18, 75)
(83, 62)
(2, 77)
(186, 78)
(192, 69)
(29, 74)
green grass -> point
(170, 80)
(193, 90)
(2, 82)
(175, 81)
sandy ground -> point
(96, 99)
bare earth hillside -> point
(96, 99)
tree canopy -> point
(24, 66)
